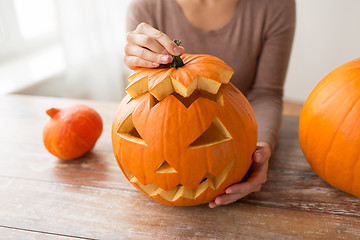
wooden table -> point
(42, 197)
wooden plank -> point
(99, 213)
(290, 185)
(291, 182)
(9, 233)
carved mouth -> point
(209, 181)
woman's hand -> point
(148, 47)
(257, 177)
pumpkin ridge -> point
(355, 163)
(185, 81)
(81, 140)
(145, 127)
(202, 130)
(333, 139)
(93, 122)
(158, 75)
(319, 88)
(355, 167)
(165, 119)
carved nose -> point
(165, 167)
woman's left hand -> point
(254, 183)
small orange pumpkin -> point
(329, 129)
(184, 133)
(71, 132)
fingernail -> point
(177, 51)
(155, 64)
(164, 59)
(228, 191)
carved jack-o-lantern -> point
(183, 134)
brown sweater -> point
(256, 43)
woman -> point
(254, 37)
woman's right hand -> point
(148, 47)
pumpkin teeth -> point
(168, 195)
(172, 195)
(183, 192)
(218, 180)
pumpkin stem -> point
(177, 62)
(52, 112)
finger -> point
(160, 37)
(264, 149)
(258, 156)
(145, 41)
(143, 53)
(182, 50)
(243, 188)
(133, 62)
(212, 204)
(225, 199)
(261, 154)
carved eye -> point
(216, 133)
(128, 131)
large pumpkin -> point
(329, 129)
(183, 134)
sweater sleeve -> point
(266, 93)
(140, 11)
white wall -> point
(327, 35)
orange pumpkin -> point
(329, 129)
(71, 132)
(183, 134)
